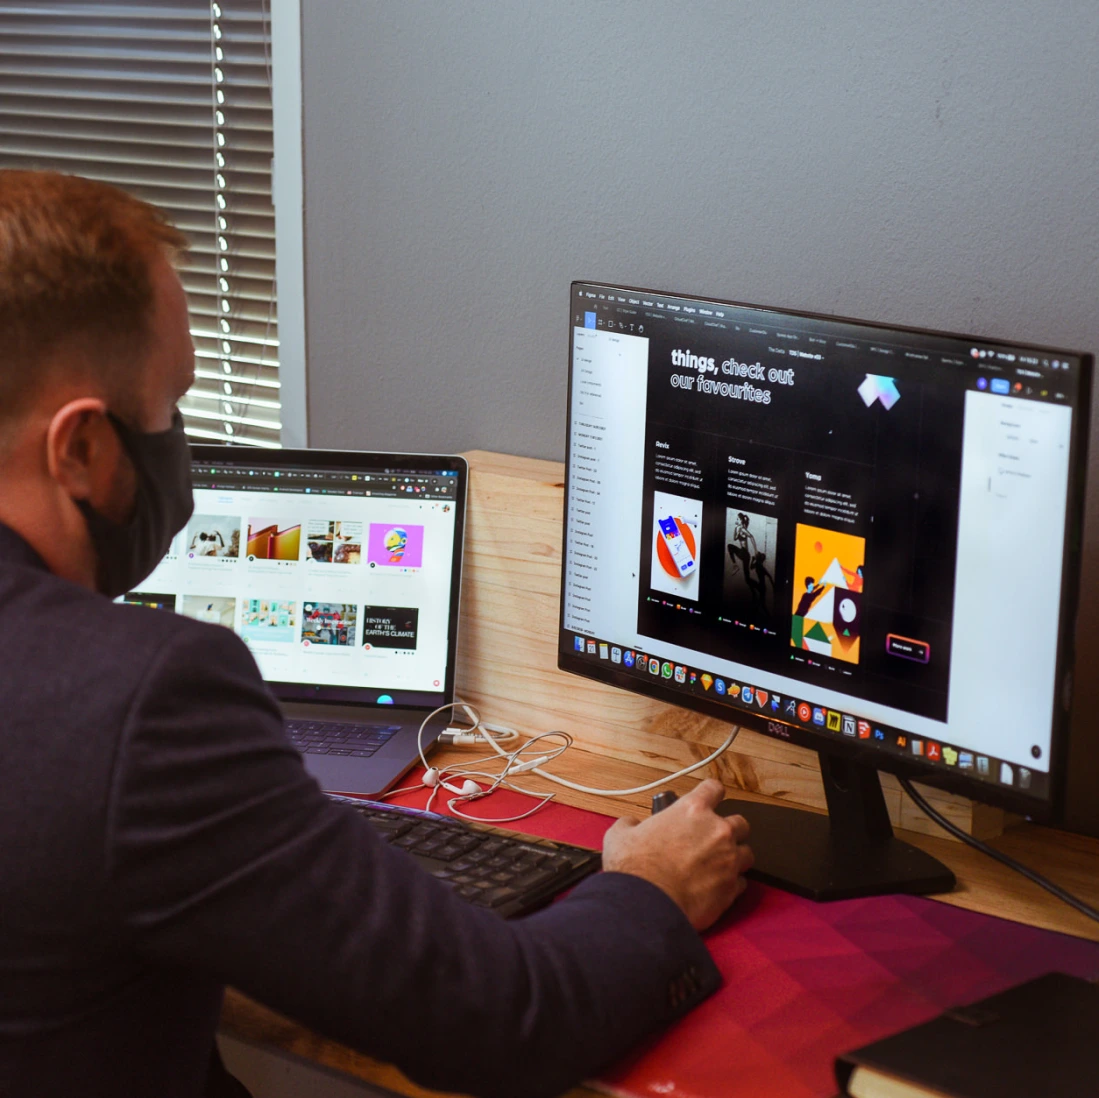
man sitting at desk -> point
(159, 838)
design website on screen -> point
(852, 521)
(332, 589)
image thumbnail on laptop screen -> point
(338, 570)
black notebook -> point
(1037, 1040)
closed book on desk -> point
(1037, 1040)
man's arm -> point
(225, 857)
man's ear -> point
(81, 447)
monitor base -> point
(797, 850)
(850, 852)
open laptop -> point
(341, 571)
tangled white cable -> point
(458, 779)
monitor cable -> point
(1003, 859)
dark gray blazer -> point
(159, 839)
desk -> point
(984, 885)
(507, 665)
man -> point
(161, 839)
(810, 595)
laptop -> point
(341, 571)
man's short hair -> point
(76, 287)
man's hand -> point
(697, 857)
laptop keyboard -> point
(508, 873)
(359, 741)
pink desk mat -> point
(806, 981)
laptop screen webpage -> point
(857, 533)
(338, 579)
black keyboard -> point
(339, 738)
(509, 873)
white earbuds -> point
(520, 760)
(467, 789)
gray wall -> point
(930, 163)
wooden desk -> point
(507, 665)
(983, 885)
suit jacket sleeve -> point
(225, 857)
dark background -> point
(902, 467)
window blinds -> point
(170, 99)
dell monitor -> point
(858, 538)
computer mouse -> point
(663, 800)
(668, 798)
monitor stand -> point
(848, 853)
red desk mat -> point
(806, 981)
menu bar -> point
(430, 484)
(782, 710)
(1036, 374)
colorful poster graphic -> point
(331, 623)
(269, 620)
(390, 627)
(213, 536)
(395, 546)
(828, 589)
(677, 522)
(751, 540)
(273, 539)
(215, 609)
(334, 542)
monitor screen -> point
(859, 538)
(337, 570)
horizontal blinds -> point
(170, 99)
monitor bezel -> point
(1045, 810)
(364, 461)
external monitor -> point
(859, 538)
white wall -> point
(918, 161)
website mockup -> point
(822, 522)
(331, 578)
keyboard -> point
(508, 873)
(339, 738)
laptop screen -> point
(340, 571)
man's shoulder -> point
(174, 645)
(152, 629)
(50, 625)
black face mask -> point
(163, 502)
